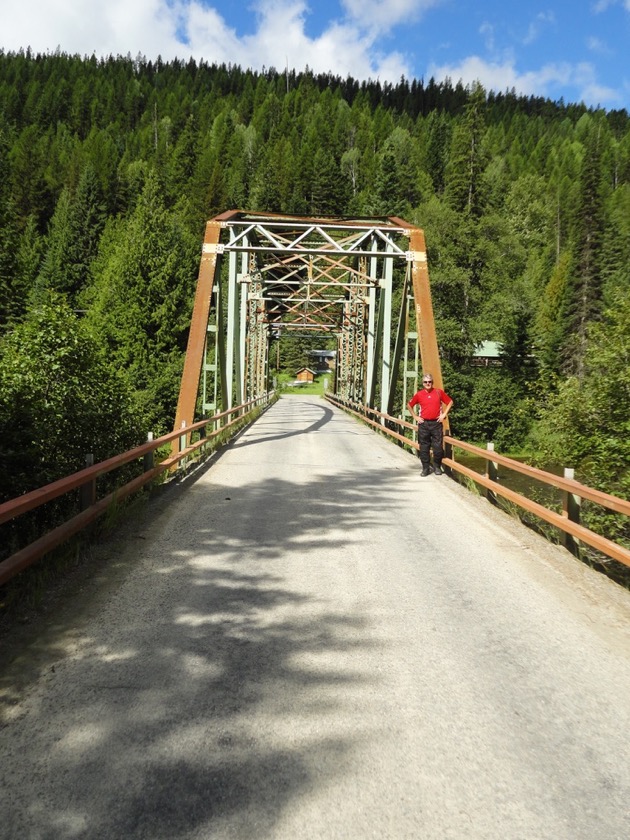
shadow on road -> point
(200, 704)
(326, 417)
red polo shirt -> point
(430, 402)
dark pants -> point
(430, 436)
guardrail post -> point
(492, 472)
(149, 461)
(88, 490)
(182, 444)
(448, 453)
(571, 505)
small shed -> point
(487, 354)
(305, 375)
(324, 359)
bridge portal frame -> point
(330, 275)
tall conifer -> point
(584, 291)
(468, 158)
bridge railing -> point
(572, 491)
(85, 481)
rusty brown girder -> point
(198, 325)
(427, 337)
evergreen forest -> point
(110, 168)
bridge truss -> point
(363, 281)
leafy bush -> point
(61, 399)
(496, 410)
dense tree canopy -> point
(109, 169)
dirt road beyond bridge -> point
(306, 640)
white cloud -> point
(487, 30)
(385, 14)
(185, 28)
(590, 90)
(86, 27)
(280, 38)
(541, 20)
(546, 81)
(355, 43)
(603, 5)
(598, 46)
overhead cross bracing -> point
(264, 274)
(304, 265)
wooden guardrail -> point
(572, 491)
(85, 481)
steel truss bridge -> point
(363, 281)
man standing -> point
(435, 405)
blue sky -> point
(575, 49)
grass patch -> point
(288, 385)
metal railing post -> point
(88, 490)
(571, 505)
(492, 472)
(149, 458)
(448, 453)
(183, 444)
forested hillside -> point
(109, 170)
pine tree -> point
(616, 244)
(329, 193)
(87, 220)
(29, 256)
(72, 240)
(141, 300)
(10, 291)
(468, 158)
(584, 292)
(53, 274)
(550, 317)
(438, 140)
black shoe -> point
(426, 471)
(437, 470)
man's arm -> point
(446, 407)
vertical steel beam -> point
(210, 369)
(241, 337)
(232, 327)
(197, 336)
(371, 349)
(399, 347)
(257, 344)
(347, 356)
(386, 294)
(411, 354)
(378, 346)
(371, 370)
(427, 338)
(220, 354)
(356, 327)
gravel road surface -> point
(306, 639)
